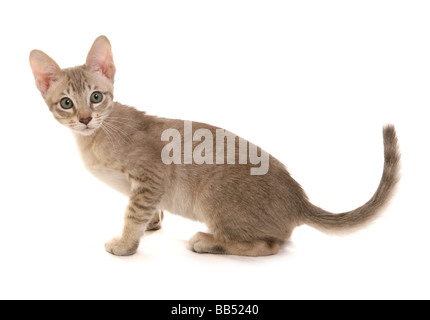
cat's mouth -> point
(87, 130)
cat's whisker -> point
(122, 134)
(115, 122)
(108, 135)
(116, 129)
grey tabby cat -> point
(246, 214)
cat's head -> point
(81, 97)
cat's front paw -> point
(119, 247)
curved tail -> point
(352, 220)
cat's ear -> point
(100, 58)
(45, 70)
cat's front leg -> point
(140, 211)
(155, 223)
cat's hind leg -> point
(207, 243)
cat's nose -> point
(85, 120)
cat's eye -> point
(96, 97)
(66, 103)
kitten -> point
(247, 214)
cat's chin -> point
(86, 132)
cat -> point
(246, 214)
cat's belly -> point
(177, 201)
(113, 178)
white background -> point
(312, 82)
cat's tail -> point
(353, 220)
